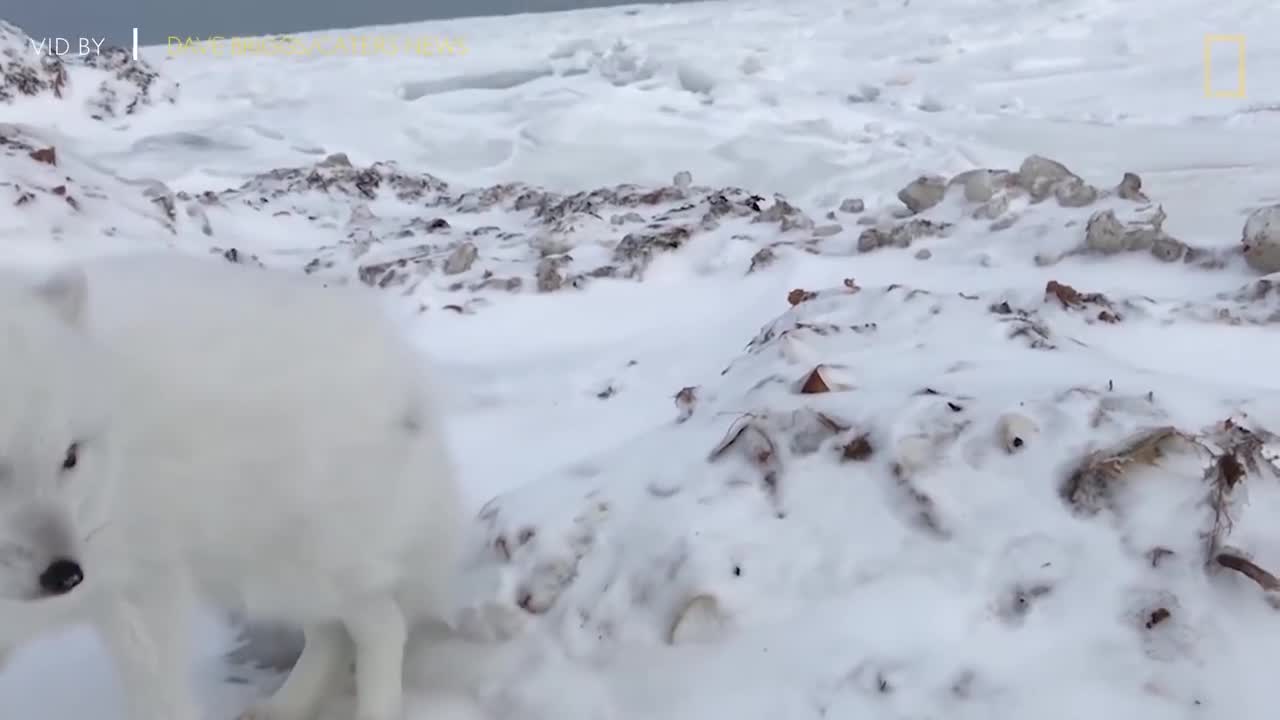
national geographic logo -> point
(334, 45)
(1216, 41)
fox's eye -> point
(72, 457)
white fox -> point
(176, 430)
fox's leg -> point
(379, 632)
(326, 654)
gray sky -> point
(157, 19)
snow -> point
(735, 446)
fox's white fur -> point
(187, 430)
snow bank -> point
(964, 475)
(460, 249)
(62, 206)
(916, 495)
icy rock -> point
(763, 258)
(1144, 233)
(923, 193)
(982, 184)
(1042, 177)
(1003, 223)
(197, 213)
(852, 206)
(796, 222)
(993, 208)
(788, 216)
(631, 217)
(361, 216)
(549, 243)
(872, 239)
(1167, 249)
(865, 93)
(1037, 169)
(548, 275)
(461, 259)
(900, 236)
(336, 160)
(1105, 233)
(776, 212)
(695, 79)
(1130, 188)
(1073, 192)
(1261, 239)
(930, 103)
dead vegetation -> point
(1249, 569)
(810, 430)
(701, 619)
(823, 379)
(1072, 299)
(761, 439)
(1157, 616)
(797, 296)
(1257, 303)
(921, 508)
(1024, 326)
(686, 401)
(1088, 488)
(47, 155)
(1234, 453)
(765, 439)
(814, 383)
(858, 449)
(763, 258)
(750, 437)
(1240, 458)
(1156, 555)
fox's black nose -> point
(61, 577)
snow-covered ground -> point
(767, 406)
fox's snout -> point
(61, 577)
(40, 556)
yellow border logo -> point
(1238, 90)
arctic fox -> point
(176, 430)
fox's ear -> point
(67, 291)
